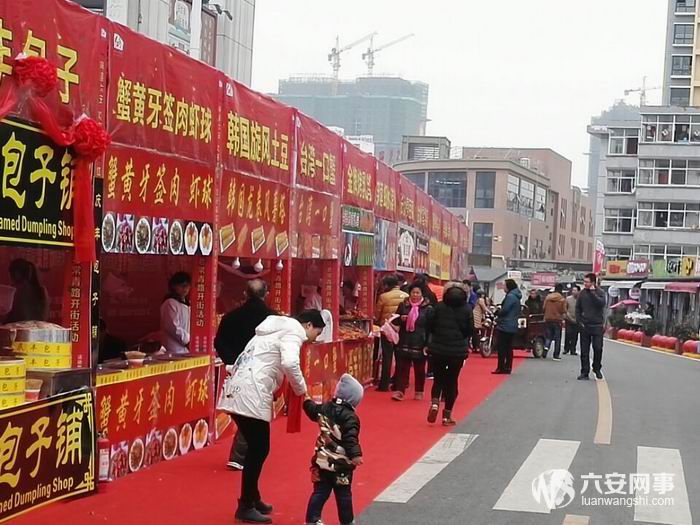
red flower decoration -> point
(91, 139)
(37, 73)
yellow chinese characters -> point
(359, 183)
(309, 163)
(386, 197)
(250, 140)
(41, 442)
(69, 442)
(9, 448)
(407, 209)
(422, 217)
(142, 105)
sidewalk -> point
(199, 489)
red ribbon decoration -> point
(87, 137)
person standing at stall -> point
(235, 331)
(387, 304)
(533, 303)
(480, 312)
(507, 327)
(413, 340)
(31, 300)
(175, 315)
(450, 326)
(571, 337)
(590, 314)
(259, 371)
(554, 310)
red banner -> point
(161, 99)
(386, 201)
(147, 411)
(422, 212)
(435, 219)
(455, 231)
(316, 220)
(253, 217)
(257, 134)
(319, 156)
(359, 177)
(70, 37)
(75, 310)
(464, 236)
(447, 218)
(407, 202)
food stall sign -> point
(318, 157)
(48, 452)
(543, 279)
(359, 177)
(386, 198)
(406, 249)
(315, 225)
(36, 198)
(385, 245)
(357, 220)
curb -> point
(664, 351)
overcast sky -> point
(516, 73)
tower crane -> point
(642, 91)
(334, 55)
(368, 56)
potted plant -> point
(650, 327)
(617, 321)
(684, 331)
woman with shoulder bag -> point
(412, 318)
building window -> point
(540, 203)
(527, 198)
(685, 6)
(416, 178)
(562, 214)
(680, 97)
(681, 65)
(574, 217)
(671, 128)
(660, 252)
(591, 223)
(589, 252)
(683, 34)
(485, 189)
(621, 181)
(482, 238)
(614, 253)
(514, 250)
(664, 172)
(624, 141)
(618, 220)
(560, 245)
(573, 248)
(513, 192)
(449, 188)
(582, 222)
(580, 250)
(665, 215)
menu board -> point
(161, 99)
(319, 156)
(359, 177)
(157, 204)
(253, 217)
(257, 134)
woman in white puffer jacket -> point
(248, 395)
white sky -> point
(515, 73)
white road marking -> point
(652, 461)
(603, 431)
(573, 519)
(548, 454)
(430, 465)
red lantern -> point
(656, 340)
(690, 347)
(638, 335)
(671, 343)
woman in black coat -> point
(413, 340)
(450, 327)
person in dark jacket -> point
(450, 327)
(236, 329)
(590, 315)
(31, 300)
(507, 327)
(337, 452)
(533, 303)
(413, 340)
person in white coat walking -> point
(272, 355)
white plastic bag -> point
(389, 331)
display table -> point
(154, 412)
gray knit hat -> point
(349, 390)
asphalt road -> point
(654, 404)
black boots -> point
(253, 513)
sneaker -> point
(430, 376)
(234, 465)
(397, 396)
(418, 396)
(573, 353)
(583, 377)
(556, 358)
(433, 412)
(447, 420)
(251, 515)
(598, 375)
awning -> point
(620, 284)
(654, 285)
(685, 287)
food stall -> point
(357, 223)
(446, 238)
(422, 231)
(46, 403)
(315, 246)
(154, 399)
(406, 248)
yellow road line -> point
(573, 519)
(603, 431)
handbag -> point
(389, 331)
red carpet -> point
(198, 489)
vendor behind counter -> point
(31, 299)
(175, 315)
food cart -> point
(155, 402)
(46, 403)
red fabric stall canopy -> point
(685, 287)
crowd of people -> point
(420, 332)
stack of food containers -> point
(13, 375)
(42, 345)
